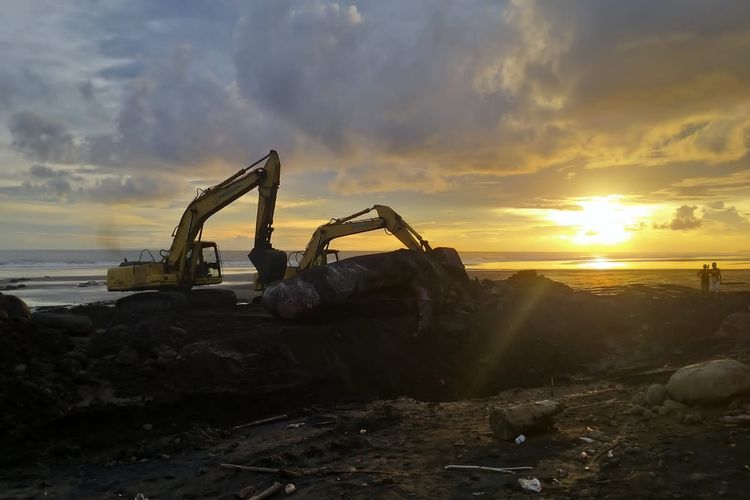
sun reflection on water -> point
(601, 263)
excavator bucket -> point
(269, 262)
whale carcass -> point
(431, 280)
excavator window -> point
(210, 262)
(332, 256)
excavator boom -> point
(215, 198)
(388, 219)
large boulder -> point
(655, 394)
(12, 307)
(709, 382)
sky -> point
(583, 125)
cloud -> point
(726, 219)
(584, 98)
(507, 88)
(45, 172)
(684, 219)
(53, 189)
(122, 71)
(19, 84)
(129, 189)
(49, 184)
(41, 138)
(384, 178)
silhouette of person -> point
(704, 275)
(715, 278)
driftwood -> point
(605, 450)
(259, 422)
(607, 402)
(267, 492)
(246, 492)
(505, 470)
(507, 423)
(265, 470)
(319, 471)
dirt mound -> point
(227, 365)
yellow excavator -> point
(191, 262)
(317, 251)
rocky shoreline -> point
(119, 395)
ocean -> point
(61, 277)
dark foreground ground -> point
(146, 404)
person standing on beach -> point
(715, 276)
(704, 275)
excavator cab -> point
(206, 268)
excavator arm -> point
(190, 261)
(181, 256)
(388, 219)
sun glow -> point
(601, 220)
(601, 263)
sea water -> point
(55, 277)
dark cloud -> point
(368, 76)
(502, 88)
(53, 189)
(45, 172)
(174, 116)
(177, 115)
(684, 219)
(107, 190)
(129, 189)
(87, 90)
(20, 84)
(41, 138)
(124, 71)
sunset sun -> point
(600, 220)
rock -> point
(735, 325)
(176, 330)
(709, 382)
(649, 413)
(13, 307)
(634, 410)
(692, 418)
(670, 406)
(78, 356)
(126, 357)
(507, 423)
(110, 342)
(72, 324)
(637, 399)
(736, 404)
(736, 419)
(165, 355)
(204, 364)
(655, 394)
(69, 366)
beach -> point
(74, 277)
(207, 403)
